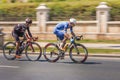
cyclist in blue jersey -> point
(61, 31)
(19, 31)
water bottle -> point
(71, 40)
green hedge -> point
(81, 9)
(18, 10)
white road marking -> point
(5, 66)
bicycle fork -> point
(75, 46)
(31, 47)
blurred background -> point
(18, 10)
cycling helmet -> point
(28, 20)
(72, 20)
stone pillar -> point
(102, 17)
(42, 17)
(1, 38)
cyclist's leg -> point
(22, 40)
(63, 37)
(60, 35)
(17, 40)
(66, 37)
(24, 37)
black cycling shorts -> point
(16, 37)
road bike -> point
(29, 47)
(78, 52)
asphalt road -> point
(95, 68)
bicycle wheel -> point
(33, 51)
(51, 52)
(79, 53)
(9, 50)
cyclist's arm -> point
(71, 30)
(73, 34)
(29, 33)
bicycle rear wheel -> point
(79, 53)
(33, 51)
(51, 52)
(9, 50)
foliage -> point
(4, 1)
(50, 0)
(18, 10)
(60, 9)
(13, 1)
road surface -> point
(95, 68)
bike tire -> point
(78, 57)
(33, 53)
(9, 50)
(51, 52)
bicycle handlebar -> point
(77, 37)
(31, 38)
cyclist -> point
(61, 31)
(19, 31)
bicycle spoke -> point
(9, 50)
(33, 52)
(51, 52)
(79, 53)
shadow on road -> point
(31, 61)
(42, 60)
(92, 63)
(67, 62)
(80, 63)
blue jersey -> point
(63, 26)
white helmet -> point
(72, 20)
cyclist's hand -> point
(35, 38)
(77, 37)
(29, 39)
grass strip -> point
(102, 51)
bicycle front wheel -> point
(9, 50)
(51, 52)
(78, 53)
(33, 51)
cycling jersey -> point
(20, 30)
(63, 26)
(61, 29)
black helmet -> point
(28, 20)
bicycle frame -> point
(28, 42)
(27, 45)
(72, 43)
